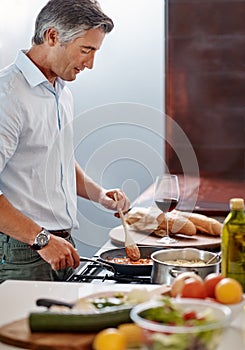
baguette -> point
(152, 220)
(203, 223)
(176, 224)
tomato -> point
(228, 291)
(109, 339)
(179, 282)
(210, 282)
(194, 289)
(190, 315)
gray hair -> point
(71, 18)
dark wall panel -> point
(205, 83)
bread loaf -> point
(203, 223)
(176, 224)
(153, 220)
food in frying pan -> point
(127, 261)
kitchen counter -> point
(206, 195)
(17, 299)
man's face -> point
(67, 60)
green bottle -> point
(233, 242)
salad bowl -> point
(181, 324)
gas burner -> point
(92, 272)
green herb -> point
(102, 302)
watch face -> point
(42, 239)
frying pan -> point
(125, 269)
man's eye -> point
(86, 51)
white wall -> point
(118, 105)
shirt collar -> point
(31, 72)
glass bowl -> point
(204, 334)
(237, 308)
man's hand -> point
(60, 254)
(107, 199)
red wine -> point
(166, 204)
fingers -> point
(123, 202)
(76, 259)
(65, 261)
(124, 212)
(60, 254)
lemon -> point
(132, 333)
(228, 291)
(109, 339)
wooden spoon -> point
(131, 248)
(213, 258)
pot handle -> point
(103, 264)
(175, 272)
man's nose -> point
(89, 63)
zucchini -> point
(48, 321)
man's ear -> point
(52, 36)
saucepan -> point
(168, 263)
(135, 269)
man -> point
(39, 177)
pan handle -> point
(103, 264)
(175, 272)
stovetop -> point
(92, 272)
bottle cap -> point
(237, 203)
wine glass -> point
(166, 197)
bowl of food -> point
(181, 324)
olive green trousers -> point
(19, 262)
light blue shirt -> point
(37, 173)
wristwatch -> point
(41, 239)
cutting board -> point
(202, 241)
(18, 334)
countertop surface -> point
(18, 298)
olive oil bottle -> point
(233, 242)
